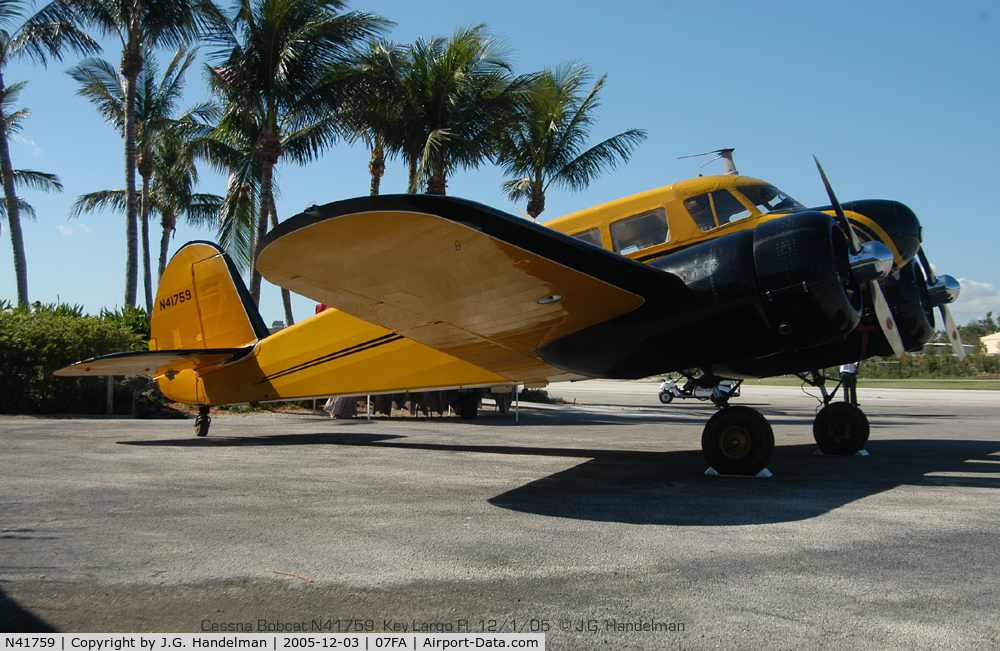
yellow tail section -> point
(202, 302)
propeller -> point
(875, 270)
(943, 290)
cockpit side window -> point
(640, 231)
(769, 198)
(590, 236)
(728, 208)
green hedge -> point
(932, 364)
(36, 341)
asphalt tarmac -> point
(596, 524)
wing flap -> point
(153, 362)
(475, 283)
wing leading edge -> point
(476, 283)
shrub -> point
(36, 341)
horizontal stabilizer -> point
(154, 362)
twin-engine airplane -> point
(716, 277)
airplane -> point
(716, 277)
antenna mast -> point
(725, 154)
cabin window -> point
(700, 209)
(769, 198)
(590, 236)
(640, 231)
(715, 209)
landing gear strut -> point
(840, 427)
(202, 421)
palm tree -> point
(375, 111)
(234, 147)
(174, 179)
(49, 32)
(544, 143)
(458, 92)
(276, 80)
(43, 181)
(155, 103)
(171, 194)
(142, 25)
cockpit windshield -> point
(768, 198)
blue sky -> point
(898, 100)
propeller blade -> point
(841, 215)
(953, 336)
(886, 320)
(928, 270)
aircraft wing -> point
(153, 362)
(483, 286)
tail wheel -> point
(666, 397)
(202, 421)
(841, 428)
(738, 441)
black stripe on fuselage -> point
(340, 354)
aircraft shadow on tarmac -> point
(669, 488)
(15, 619)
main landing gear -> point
(840, 427)
(739, 440)
(736, 440)
(202, 421)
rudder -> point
(202, 302)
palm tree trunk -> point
(147, 277)
(377, 169)
(436, 184)
(270, 151)
(286, 296)
(131, 66)
(13, 214)
(412, 175)
(167, 220)
(265, 200)
(536, 202)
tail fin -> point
(202, 302)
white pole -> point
(369, 408)
(517, 403)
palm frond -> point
(113, 200)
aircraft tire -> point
(841, 428)
(738, 441)
(202, 421)
(666, 397)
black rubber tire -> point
(738, 441)
(841, 428)
(201, 424)
(666, 397)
